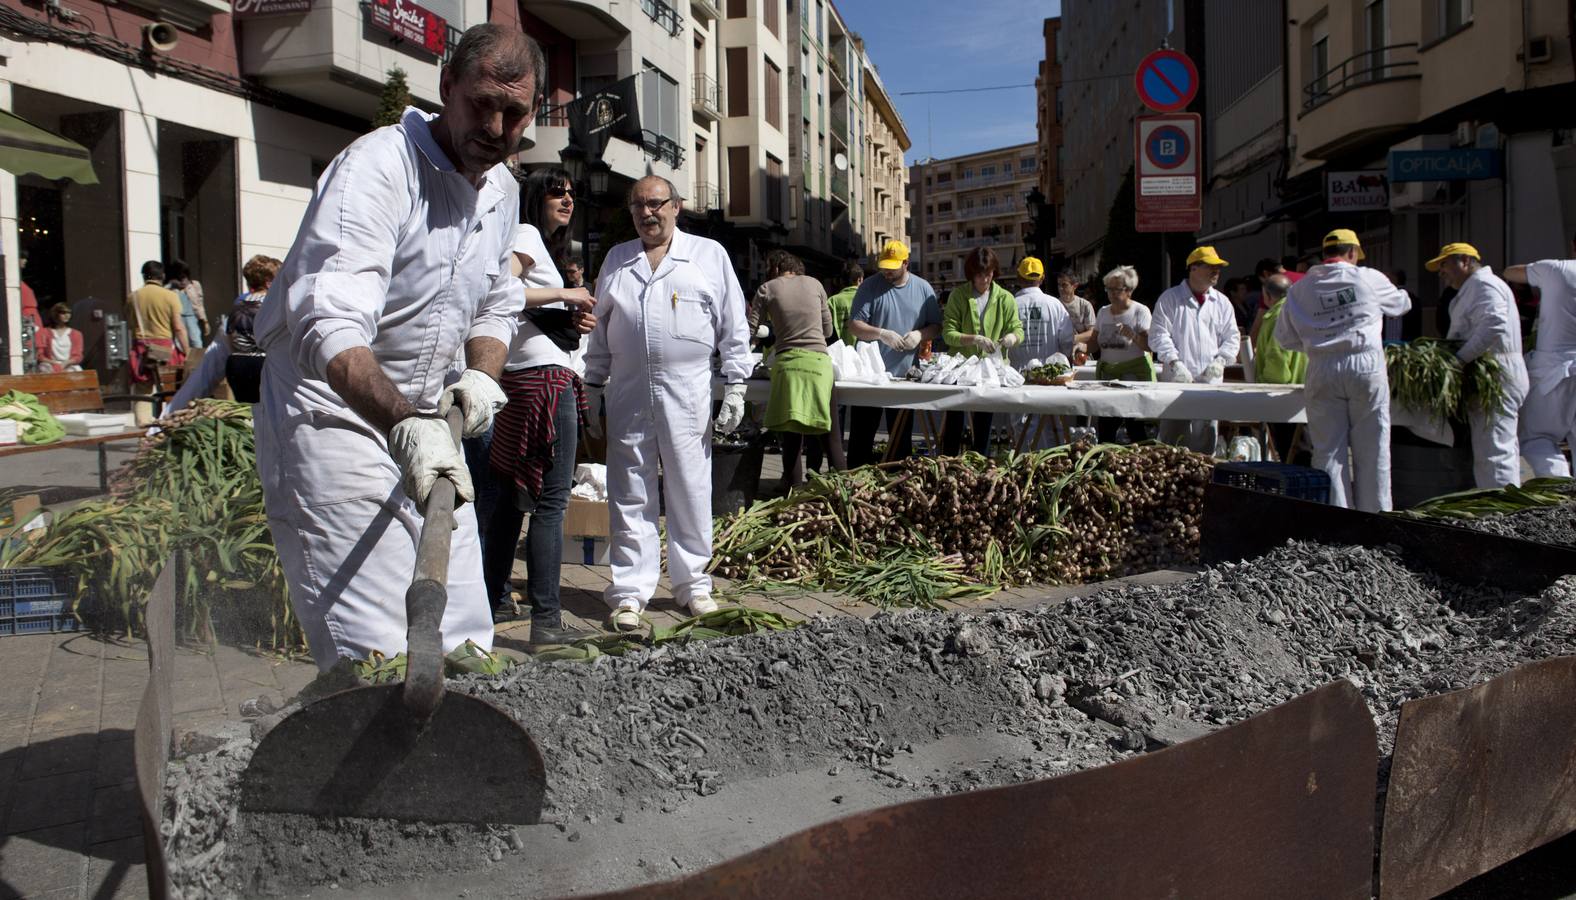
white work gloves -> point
(479, 398)
(911, 341)
(1215, 372)
(424, 450)
(1009, 340)
(762, 332)
(1178, 373)
(594, 411)
(732, 411)
(890, 338)
(981, 343)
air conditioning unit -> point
(1540, 49)
(1464, 135)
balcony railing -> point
(663, 14)
(840, 185)
(835, 60)
(706, 197)
(661, 147)
(984, 241)
(556, 116)
(979, 181)
(708, 96)
(1368, 67)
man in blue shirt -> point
(900, 311)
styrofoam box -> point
(10, 432)
(95, 424)
(586, 551)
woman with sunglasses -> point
(526, 464)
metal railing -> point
(556, 115)
(708, 95)
(989, 240)
(662, 147)
(840, 185)
(979, 181)
(1368, 67)
(663, 14)
(707, 197)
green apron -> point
(1272, 363)
(1140, 369)
(801, 393)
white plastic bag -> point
(875, 366)
(590, 482)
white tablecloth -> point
(1152, 400)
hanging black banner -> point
(610, 112)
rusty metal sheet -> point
(1479, 777)
(155, 726)
(1280, 805)
(1241, 524)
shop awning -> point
(26, 149)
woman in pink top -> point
(58, 347)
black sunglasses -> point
(561, 192)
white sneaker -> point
(625, 619)
(701, 604)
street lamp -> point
(1034, 200)
(573, 159)
(599, 172)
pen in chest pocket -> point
(675, 300)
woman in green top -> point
(980, 319)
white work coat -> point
(1339, 309)
(653, 344)
(1554, 358)
(398, 253)
(1180, 328)
(1483, 316)
(1047, 328)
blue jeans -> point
(499, 517)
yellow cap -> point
(893, 255)
(1450, 250)
(1207, 256)
(1345, 236)
(1030, 267)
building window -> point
(820, 22)
(944, 178)
(659, 102)
(774, 188)
(738, 65)
(740, 171)
(1028, 164)
(1376, 35)
(738, 9)
(1319, 61)
(1453, 15)
(944, 207)
(1058, 96)
(772, 19)
(774, 100)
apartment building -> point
(970, 201)
(1048, 125)
(1243, 105)
(885, 140)
(1479, 99)
(205, 128)
(1102, 43)
(824, 96)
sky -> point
(936, 45)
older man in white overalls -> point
(665, 303)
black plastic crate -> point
(1297, 482)
(36, 600)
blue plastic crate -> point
(36, 600)
(38, 625)
(1297, 482)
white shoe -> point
(701, 604)
(625, 619)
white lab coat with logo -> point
(1047, 328)
(1336, 315)
(1549, 415)
(397, 252)
(1483, 315)
(1180, 328)
(653, 345)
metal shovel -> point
(409, 751)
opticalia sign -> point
(410, 22)
(1356, 191)
(1468, 164)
